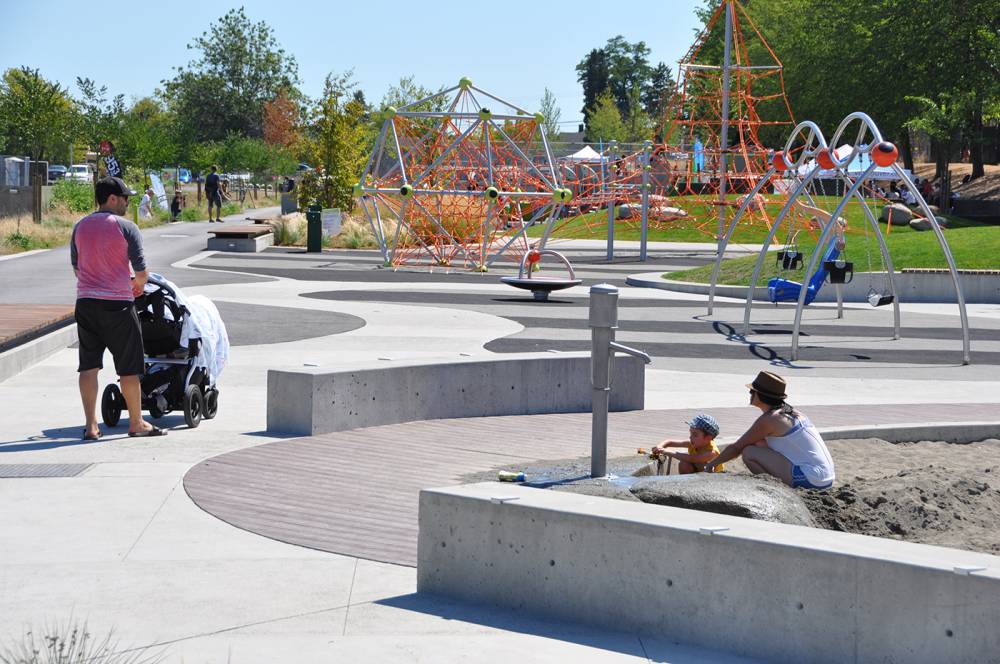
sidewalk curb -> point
(19, 358)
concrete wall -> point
(911, 287)
(310, 401)
(19, 358)
(773, 591)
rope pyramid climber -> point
(459, 186)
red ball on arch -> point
(885, 154)
(778, 161)
(825, 159)
(534, 256)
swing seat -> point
(789, 259)
(841, 272)
(786, 290)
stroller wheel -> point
(155, 412)
(211, 403)
(112, 403)
(194, 406)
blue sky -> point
(513, 49)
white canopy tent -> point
(586, 153)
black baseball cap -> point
(109, 185)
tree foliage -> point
(241, 67)
(281, 121)
(36, 115)
(604, 120)
(338, 141)
(622, 67)
(551, 113)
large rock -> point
(896, 214)
(754, 497)
(921, 224)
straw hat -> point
(770, 385)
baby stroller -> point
(185, 346)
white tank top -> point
(804, 447)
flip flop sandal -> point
(87, 436)
(155, 431)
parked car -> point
(56, 172)
(184, 175)
(304, 167)
(80, 173)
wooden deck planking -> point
(344, 493)
(20, 323)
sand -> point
(928, 492)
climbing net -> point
(693, 181)
(458, 186)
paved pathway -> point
(121, 543)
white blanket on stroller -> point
(205, 323)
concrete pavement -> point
(122, 545)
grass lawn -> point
(974, 247)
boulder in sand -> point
(753, 497)
(896, 214)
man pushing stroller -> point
(102, 247)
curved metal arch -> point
(767, 243)
(963, 314)
(814, 141)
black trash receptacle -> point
(314, 229)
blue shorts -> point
(799, 480)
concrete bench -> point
(241, 238)
(765, 590)
(311, 400)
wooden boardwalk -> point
(20, 323)
(355, 492)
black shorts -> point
(214, 197)
(111, 324)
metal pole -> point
(611, 228)
(724, 137)
(603, 322)
(644, 233)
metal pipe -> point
(644, 229)
(603, 322)
(724, 133)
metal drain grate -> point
(9, 470)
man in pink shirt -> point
(102, 247)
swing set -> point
(805, 154)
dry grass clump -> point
(290, 230)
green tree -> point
(551, 114)
(657, 92)
(241, 67)
(100, 117)
(604, 120)
(638, 125)
(36, 115)
(147, 138)
(339, 141)
(592, 73)
(409, 91)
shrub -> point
(74, 644)
(18, 240)
(288, 230)
(189, 214)
(74, 196)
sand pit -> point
(944, 494)
(928, 492)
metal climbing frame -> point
(462, 184)
(813, 144)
